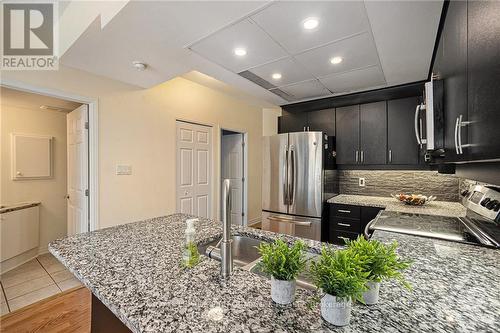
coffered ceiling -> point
(375, 44)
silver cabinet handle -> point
(459, 135)
(457, 122)
(343, 211)
(286, 220)
(344, 224)
(362, 157)
(390, 156)
(304, 128)
(357, 153)
(308, 128)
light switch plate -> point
(362, 182)
(123, 169)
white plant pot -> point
(335, 310)
(282, 291)
(372, 294)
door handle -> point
(390, 156)
(459, 135)
(284, 179)
(362, 157)
(457, 122)
(356, 154)
(417, 132)
(292, 183)
(287, 220)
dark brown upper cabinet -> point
(318, 120)
(347, 138)
(373, 133)
(482, 138)
(402, 148)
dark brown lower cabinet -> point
(348, 221)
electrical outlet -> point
(361, 182)
(123, 170)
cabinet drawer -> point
(349, 211)
(344, 224)
(339, 237)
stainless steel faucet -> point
(226, 267)
(224, 253)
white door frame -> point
(245, 171)
(93, 138)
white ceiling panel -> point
(356, 52)
(337, 19)
(405, 32)
(308, 89)
(290, 70)
(354, 80)
(219, 47)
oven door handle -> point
(367, 228)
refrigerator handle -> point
(291, 179)
(285, 183)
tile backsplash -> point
(384, 182)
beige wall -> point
(50, 192)
(270, 121)
(137, 127)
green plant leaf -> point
(281, 261)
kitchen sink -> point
(246, 256)
(244, 249)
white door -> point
(194, 156)
(232, 168)
(78, 163)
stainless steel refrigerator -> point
(292, 183)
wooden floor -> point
(66, 312)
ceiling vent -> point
(266, 85)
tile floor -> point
(33, 281)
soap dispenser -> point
(190, 254)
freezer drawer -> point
(292, 225)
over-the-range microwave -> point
(429, 119)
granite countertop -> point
(441, 208)
(134, 270)
(19, 206)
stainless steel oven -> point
(305, 227)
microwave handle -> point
(417, 131)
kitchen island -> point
(134, 271)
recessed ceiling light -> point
(310, 23)
(240, 52)
(139, 65)
(276, 76)
(336, 60)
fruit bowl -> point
(413, 199)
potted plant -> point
(284, 263)
(338, 274)
(381, 262)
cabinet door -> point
(322, 120)
(373, 133)
(451, 67)
(292, 122)
(347, 134)
(484, 78)
(401, 142)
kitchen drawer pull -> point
(344, 211)
(344, 224)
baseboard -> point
(20, 259)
